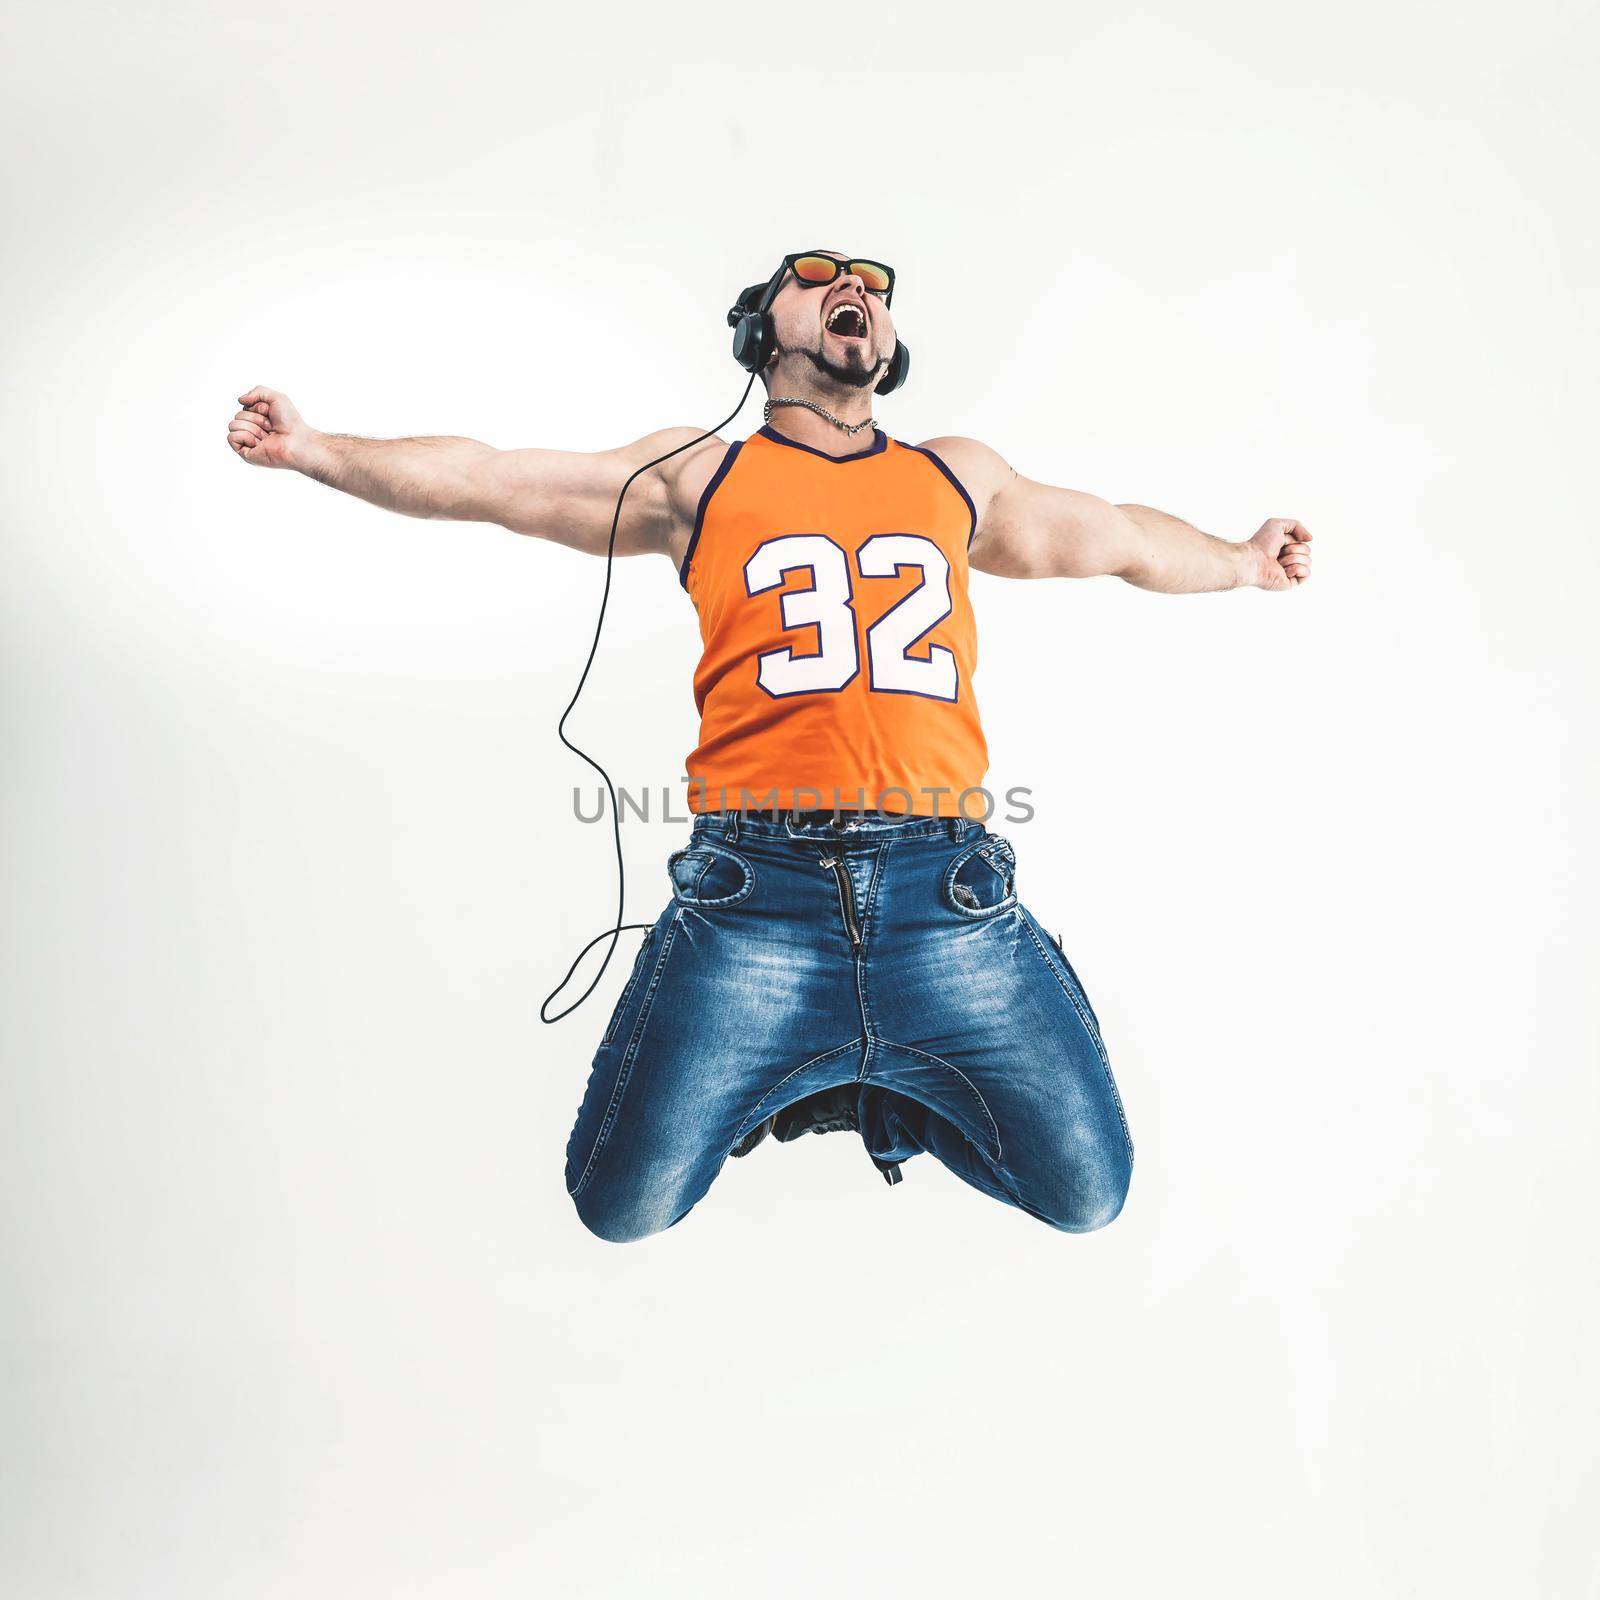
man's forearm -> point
(1171, 556)
(436, 476)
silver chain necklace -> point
(852, 428)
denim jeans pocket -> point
(981, 881)
(710, 876)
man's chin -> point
(859, 372)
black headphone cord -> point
(619, 927)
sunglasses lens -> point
(875, 276)
(816, 269)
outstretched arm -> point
(1032, 530)
(566, 496)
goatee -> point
(845, 373)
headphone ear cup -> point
(896, 372)
(752, 340)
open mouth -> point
(847, 320)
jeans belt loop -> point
(730, 829)
(958, 826)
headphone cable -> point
(619, 926)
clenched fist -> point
(1284, 548)
(268, 431)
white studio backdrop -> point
(292, 1299)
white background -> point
(294, 1303)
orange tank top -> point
(839, 639)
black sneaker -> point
(752, 1139)
(810, 1115)
(827, 1111)
(830, 1111)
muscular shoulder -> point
(673, 489)
(984, 474)
(675, 486)
(982, 470)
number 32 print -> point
(827, 606)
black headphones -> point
(754, 338)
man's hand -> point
(1283, 550)
(269, 432)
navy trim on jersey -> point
(700, 510)
(880, 443)
(955, 483)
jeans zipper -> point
(847, 899)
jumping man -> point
(844, 947)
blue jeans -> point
(795, 957)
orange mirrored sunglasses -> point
(812, 268)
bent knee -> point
(1082, 1202)
(622, 1210)
(1099, 1210)
(616, 1219)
